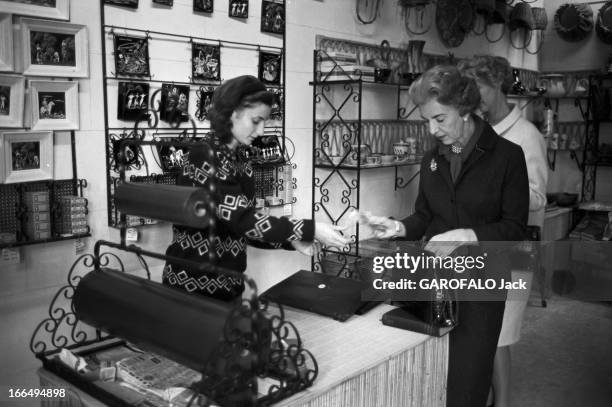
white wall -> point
(26, 288)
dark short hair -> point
(235, 94)
(489, 69)
(446, 85)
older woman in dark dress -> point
(473, 188)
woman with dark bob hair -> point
(493, 75)
(238, 113)
(473, 189)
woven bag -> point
(521, 16)
(540, 18)
(603, 27)
(574, 22)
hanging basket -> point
(500, 15)
(574, 22)
(484, 7)
(540, 18)
(521, 16)
(414, 13)
(604, 23)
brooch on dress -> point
(433, 165)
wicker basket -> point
(540, 18)
(500, 15)
(484, 7)
(604, 23)
(574, 22)
(521, 16)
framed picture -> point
(123, 3)
(55, 105)
(54, 49)
(27, 156)
(270, 67)
(12, 89)
(6, 45)
(276, 113)
(205, 95)
(239, 8)
(206, 62)
(203, 6)
(171, 157)
(164, 2)
(54, 9)
(131, 56)
(133, 100)
(174, 103)
(273, 17)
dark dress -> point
(490, 196)
(238, 223)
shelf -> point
(369, 166)
(357, 81)
(49, 240)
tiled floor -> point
(564, 358)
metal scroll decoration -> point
(61, 329)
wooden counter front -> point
(361, 363)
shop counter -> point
(361, 363)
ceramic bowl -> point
(387, 158)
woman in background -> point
(494, 78)
(473, 188)
(238, 113)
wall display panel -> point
(54, 48)
(273, 17)
(27, 156)
(270, 68)
(131, 55)
(123, 3)
(206, 62)
(6, 45)
(203, 6)
(54, 105)
(54, 9)
(12, 89)
(238, 8)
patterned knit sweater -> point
(238, 223)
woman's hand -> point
(329, 235)
(306, 248)
(384, 228)
(444, 244)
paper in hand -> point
(354, 217)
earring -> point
(465, 118)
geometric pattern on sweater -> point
(261, 226)
(197, 241)
(208, 283)
(297, 229)
(230, 204)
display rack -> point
(274, 172)
(593, 157)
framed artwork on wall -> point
(27, 156)
(239, 8)
(203, 6)
(133, 100)
(6, 45)
(54, 49)
(174, 103)
(131, 55)
(54, 9)
(55, 105)
(205, 95)
(276, 113)
(273, 17)
(123, 3)
(170, 157)
(270, 68)
(206, 62)
(12, 89)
